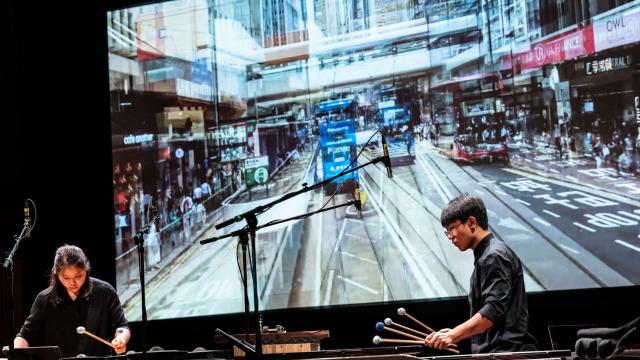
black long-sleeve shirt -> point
(497, 292)
(55, 324)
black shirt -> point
(497, 293)
(99, 312)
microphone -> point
(386, 159)
(27, 219)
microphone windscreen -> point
(402, 312)
(379, 326)
(388, 321)
(376, 340)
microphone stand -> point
(139, 241)
(243, 235)
(248, 233)
(8, 267)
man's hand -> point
(118, 345)
(120, 341)
(20, 342)
(440, 339)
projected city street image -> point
(216, 111)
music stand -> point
(37, 353)
(565, 336)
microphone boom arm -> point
(240, 232)
(262, 208)
(25, 233)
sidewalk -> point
(574, 168)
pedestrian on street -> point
(598, 151)
(615, 149)
(408, 139)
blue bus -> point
(337, 137)
(338, 148)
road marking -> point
(624, 243)
(486, 183)
(593, 186)
(551, 213)
(523, 202)
(212, 291)
(427, 281)
(541, 221)
(581, 187)
(584, 227)
(570, 249)
(335, 250)
(527, 160)
(479, 192)
(327, 293)
(359, 258)
(439, 187)
(510, 223)
(572, 178)
(501, 192)
(554, 171)
(357, 284)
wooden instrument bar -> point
(281, 343)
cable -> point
(35, 213)
(359, 153)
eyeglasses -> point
(449, 230)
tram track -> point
(495, 194)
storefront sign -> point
(192, 90)
(556, 49)
(478, 108)
(617, 30)
(137, 139)
(607, 64)
(256, 170)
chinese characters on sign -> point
(607, 64)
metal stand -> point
(8, 267)
(139, 241)
(248, 234)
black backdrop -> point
(56, 150)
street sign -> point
(256, 170)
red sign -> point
(559, 48)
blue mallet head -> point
(380, 326)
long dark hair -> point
(68, 255)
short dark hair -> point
(68, 255)
(462, 208)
